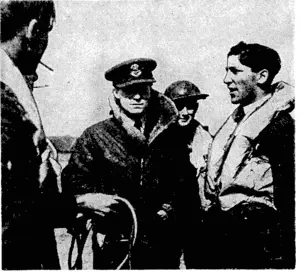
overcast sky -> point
(188, 39)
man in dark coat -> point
(130, 155)
(29, 171)
(250, 179)
(192, 140)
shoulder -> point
(280, 133)
(282, 123)
(13, 115)
(99, 127)
(203, 130)
(163, 105)
(94, 129)
(284, 118)
(9, 102)
(98, 131)
(202, 137)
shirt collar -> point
(251, 107)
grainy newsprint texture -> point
(201, 179)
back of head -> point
(184, 89)
(15, 14)
(257, 57)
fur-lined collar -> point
(161, 112)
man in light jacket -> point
(28, 168)
(250, 180)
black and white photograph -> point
(148, 134)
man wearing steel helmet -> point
(193, 138)
(129, 155)
(186, 95)
(250, 176)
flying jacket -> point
(114, 157)
(29, 171)
(256, 157)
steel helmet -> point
(184, 89)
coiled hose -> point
(81, 237)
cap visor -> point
(135, 82)
(192, 97)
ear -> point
(32, 29)
(116, 93)
(262, 76)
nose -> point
(226, 79)
(184, 111)
(137, 96)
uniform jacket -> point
(26, 169)
(114, 157)
(249, 161)
(191, 143)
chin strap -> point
(80, 235)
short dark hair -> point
(17, 13)
(257, 57)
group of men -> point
(223, 201)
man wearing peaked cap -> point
(131, 72)
(130, 155)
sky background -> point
(188, 39)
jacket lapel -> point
(238, 146)
(11, 76)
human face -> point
(36, 42)
(134, 98)
(187, 111)
(39, 41)
(240, 81)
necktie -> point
(138, 124)
(238, 114)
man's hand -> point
(99, 203)
(162, 214)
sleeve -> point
(14, 126)
(78, 175)
(278, 143)
(19, 160)
(19, 156)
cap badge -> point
(135, 71)
(182, 91)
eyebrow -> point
(232, 68)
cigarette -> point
(45, 65)
(42, 86)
